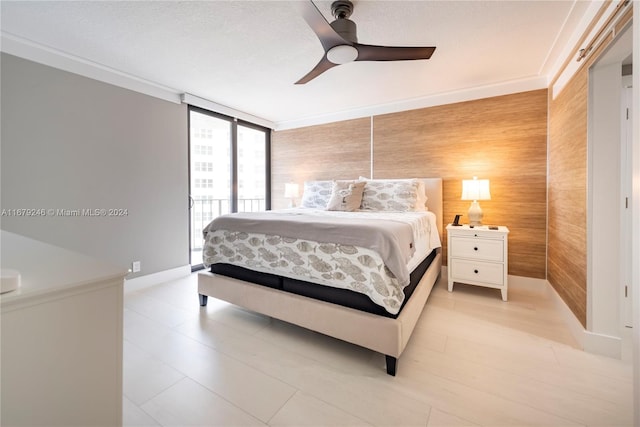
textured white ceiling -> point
(248, 54)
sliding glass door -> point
(229, 171)
(252, 169)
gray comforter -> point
(393, 240)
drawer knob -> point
(475, 248)
(475, 271)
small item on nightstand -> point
(456, 221)
(493, 227)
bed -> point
(278, 264)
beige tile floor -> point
(473, 360)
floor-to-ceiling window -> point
(228, 171)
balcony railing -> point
(203, 211)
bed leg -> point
(392, 364)
(203, 300)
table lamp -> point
(475, 189)
(291, 192)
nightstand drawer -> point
(481, 249)
(473, 271)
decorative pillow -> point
(402, 195)
(316, 194)
(398, 196)
(346, 196)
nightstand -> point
(478, 256)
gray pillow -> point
(388, 195)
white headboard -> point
(433, 188)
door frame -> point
(604, 331)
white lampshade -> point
(475, 189)
(291, 190)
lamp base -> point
(475, 214)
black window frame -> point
(233, 196)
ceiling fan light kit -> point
(342, 54)
(340, 43)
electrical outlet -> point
(135, 266)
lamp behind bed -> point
(291, 192)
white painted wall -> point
(70, 142)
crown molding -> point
(452, 97)
(26, 49)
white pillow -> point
(404, 195)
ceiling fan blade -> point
(391, 53)
(320, 68)
(327, 35)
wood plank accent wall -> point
(567, 245)
(503, 139)
(567, 188)
(340, 150)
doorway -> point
(608, 195)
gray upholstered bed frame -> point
(386, 335)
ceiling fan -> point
(340, 42)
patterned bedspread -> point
(333, 264)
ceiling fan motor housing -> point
(346, 28)
(342, 10)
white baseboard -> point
(591, 342)
(604, 345)
(148, 280)
(529, 283)
(570, 319)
